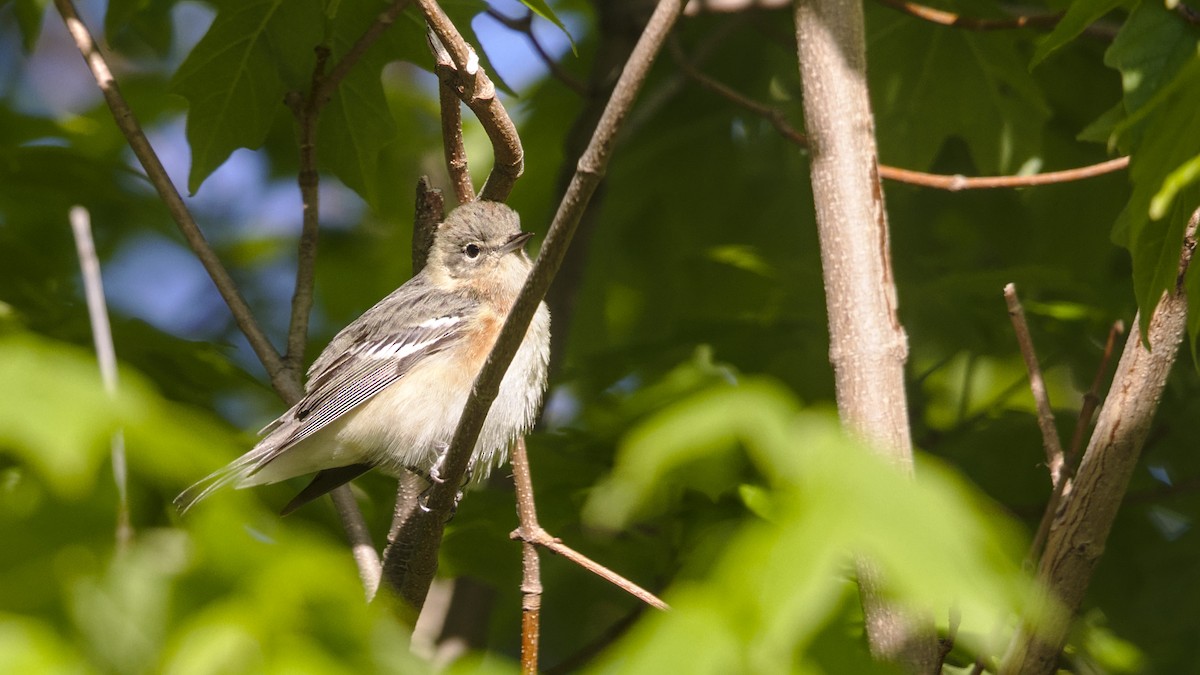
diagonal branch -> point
(128, 124)
(285, 380)
(424, 530)
(1037, 384)
(1083, 521)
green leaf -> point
(1181, 177)
(1160, 73)
(356, 125)
(975, 86)
(64, 449)
(543, 10)
(232, 79)
(1080, 15)
(1149, 50)
(831, 501)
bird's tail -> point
(233, 473)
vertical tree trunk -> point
(868, 346)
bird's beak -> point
(516, 242)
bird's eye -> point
(472, 250)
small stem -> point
(555, 545)
(1045, 415)
(106, 356)
(1092, 398)
(306, 113)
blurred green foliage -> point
(689, 440)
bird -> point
(388, 390)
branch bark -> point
(422, 534)
(868, 346)
(1090, 502)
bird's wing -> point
(352, 369)
(367, 367)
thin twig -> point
(285, 381)
(426, 527)
(531, 570)
(106, 356)
(1037, 385)
(129, 126)
(524, 25)
(944, 18)
(958, 182)
(462, 72)
(1187, 13)
(952, 183)
(555, 545)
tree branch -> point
(1037, 385)
(106, 357)
(424, 530)
(129, 126)
(952, 183)
(1082, 524)
(555, 545)
(460, 70)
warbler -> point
(389, 388)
